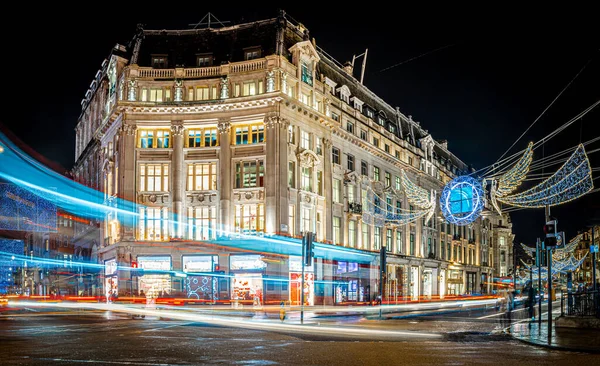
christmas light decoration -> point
(419, 197)
(510, 180)
(462, 200)
(571, 181)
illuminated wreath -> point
(462, 200)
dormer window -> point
(369, 113)
(204, 60)
(331, 83)
(159, 61)
(392, 128)
(252, 53)
(380, 121)
(307, 74)
(344, 93)
(357, 103)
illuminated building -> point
(584, 273)
(253, 129)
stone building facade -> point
(232, 142)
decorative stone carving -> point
(327, 103)
(270, 81)
(177, 130)
(178, 90)
(121, 90)
(224, 125)
(200, 198)
(248, 195)
(271, 119)
(284, 82)
(224, 87)
(132, 95)
(327, 143)
(307, 198)
(308, 159)
(152, 198)
(129, 130)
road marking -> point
(168, 326)
(98, 361)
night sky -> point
(496, 71)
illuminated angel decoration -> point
(571, 181)
(419, 197)
(510, 180)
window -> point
(365, 236)
(203, 137)
(305, 98)
(252, 53)
(307, 179)
(305, 140)
(398, 184)
(159, 61)
(377, 238)
(249, 88)
(398, 207)
(391, 128)
(363, 135)
(153, 224)
(306, 74)
(250, 217)
(335, 116)
(350, 127)
(399, 241)
(154, 177)
(380, 121)
(397, 154)
(388, 240)
(335, 155)
(376, 176)
(364, 168)
(306, 220)
(429, 248)
(202, 177)
(369, 113)
(388, 204)
(410, 161)
(350, 190)
(156, 139)
(204, 60)
(319, 182)
(249, 134)
(387, 148)
(155, 95)
(337, 230)
(319, 146)
(352, 233)
(376, 141)
(388, 179)
(249, 174)
(292, 220)
(350, 159)
(202, 93)
(412, 244)
(292, 174)
(337, 190)
(202, 223)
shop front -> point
(471, 276)
(201, 282)
(455, 282)
(427, 283)
(351, 282)
(111, 278)
(295, 274)
(155, 283)
(414, 283)
(395, 286)
(247, 271)
(442, 283)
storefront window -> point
(154, 282)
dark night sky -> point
(500, 72)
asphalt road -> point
(106, 338)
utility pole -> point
(594, 251)
(304, 237)
(538, 257)
(382, 270)
(549, 256)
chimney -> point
(348, 68)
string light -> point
(514, 177)
(571, 181)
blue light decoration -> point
(571, 181)
(22, 210)
(9, 250)
(462, 200)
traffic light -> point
(134, 264)
(216, 268)
(551, 235)
(383, 260)
(307, 242)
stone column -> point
(128, 172)
(276, 193)
(328, 180)
(225, 179)
(179, 178)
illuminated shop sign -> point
(199, 263)
(155, 263)
(246, 262)
(110, 267)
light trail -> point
(265, 325)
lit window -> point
(306, 74)
(319, 182)
(305, 140)
(377, 238)
(388, 179)
(350, 162)
(335, 155)
(388, 240)
(398, 183)
(153, 224)
(398, 207)
(155, 95)
(159, 61)
(335, 116)
(204, 60)
(306, 220)
(292, 220)
(337, 190)
(376, 176)
(202, 223)
(249, 174)
(319, 146)
(202, 177)
(337, 238)
(307, 179)
(305, 98)
(249, 134)
(399, 241)
(250, 218)
(249, 88)
(352, 233)
(251, 54)
(202, 93)
(154, 139)
(202, 137)
(154, 177)
(350, 127)
(292, 174)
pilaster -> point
(276, 192)
(225, 187)
(179, 178)
(328, 180)
(128, 172)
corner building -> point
(234, 141)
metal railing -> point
(581, 304)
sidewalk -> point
(564, 339)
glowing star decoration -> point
(571, 181)
(510, 180)
(462, 200)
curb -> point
(557, 348)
